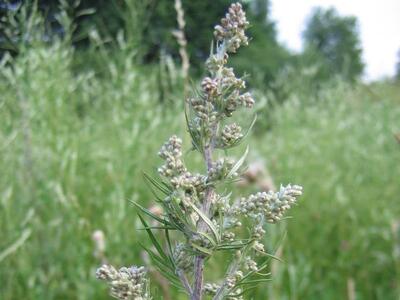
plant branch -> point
(233, 267)
(202, 226)
(184, 280)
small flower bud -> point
(231, 29)
(209, 86)
(250, 264)
(126, 283)
(231, 134)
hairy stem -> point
(201, 225)
(198, 280)
(234, 266)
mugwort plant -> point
(200, 217)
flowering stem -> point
(234, 266)
(201, 225)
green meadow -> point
(75, 141)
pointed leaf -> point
(238, 164)
(254, 281)
(157, 228)
(203, 250)
(166, 271)
(160, 186)
(150, 214)
(171, 252)
(206, 220)
(208, 238)
(153, 239)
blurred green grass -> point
(74, 145)
(341, 148)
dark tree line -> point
(336, 40)
(331, 39)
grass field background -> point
(74, 143)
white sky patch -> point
(379, 27)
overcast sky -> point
(379, 25)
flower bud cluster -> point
(258, 231)
(188, 181)
(171, 152)
(250, 264)
(228, 236)
(221, 91)
(220, 169)
(258, 246)
(200, 240)
(126, 283)
(232, 223)
(229, 80)
(175, 170)
(236, 295)
(246, 100)
(231, 280)
(206, 115)
(210, 87)
(226, 85)
(232, 28)
(271, 205)
(231, 134)
(211, 288)
(183, 260)
(235, 100)
(215, 62)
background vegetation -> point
(85, 99)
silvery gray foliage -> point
(200, 218)
(125, 283)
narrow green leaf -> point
(157, 228)
(207, 221)
(153, 239)
(164, 269)
(263, 275)
(270, 255)
(195, 140)
(171, 252)
(254, 281)
(177, 212)
(251, 273)
(158, 198)
(156, 258)
(208, 237)
(230, 246)
(203, 250)
(160, 186)
(166, 185)
(150, 214)
(245, 291)
(238, 164)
